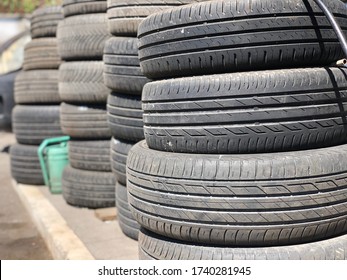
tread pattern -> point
(124, 116)
(229, 36)
(119, 153)
(77, 7)
(44, 21)
(37, 86)
(90, 155)
(82, 82)
(122, 72)
(91, 189)
(25, 165)
(240, 200)
(32, 124)
(252, 112)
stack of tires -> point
(242, 165)
(88, 180)
(36, 115)
(122, 74)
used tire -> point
(90, 155)
(245, 200)
(41, 53)
(84, 122)
(119, 153)
(126, 220)
(153, 246)
(91, 189)
(122, 71)
(124, 115)
(229, 36)
(37, 86)
(25, 165)
(44, 21)
(33, 124)
(76, 7)
(82, 37)
(82, 82)
(252, 112)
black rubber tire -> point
(33, 124)
(44, 21)
(25, 165)
(252, 112)
(119, 154)
(7, 99)
(82, 82)
(153, 246)
(77, 7)
(122, 72)
(229, 36)
(127, 223)
(84, 122)
(37, 86)
(90, 155)
(126, 15)
(82, 37)
(91, 189)
(124, 116)
(41, 53)
(240, 200)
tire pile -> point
(36, 115)
(88, 181)
(241, 165)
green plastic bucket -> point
(53, 156)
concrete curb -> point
(62, 242)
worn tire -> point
(119, 154)
(84, 122)
(155, 247)
(122, 71)
(25, 164)
(77, 7)
(90, 155)
(268, 199)
(229, 36)
(124, 116)
(41, 53)
(33, 124)
(44, 21)
(127, 223)
(91, 189)
(82, 37)
(37, 86)
(82, 82)
(252, 112)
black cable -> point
(335, 25)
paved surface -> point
(19, 238)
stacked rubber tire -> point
(241, 165)
(36, 115)
(88, 180)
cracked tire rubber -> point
(34, 123)
(122, 72)
(37, 86)
(82, 82)
(91, 189)
(44, 21)
(240, 200)
(127, 223)
(124, 114)
(77, 7)
(119, 154)
(90, 155)
(82, 37)
(252, 112)
(155, 247)
(41, 53)
(25, 165)
(84, 122)
(230, 36)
